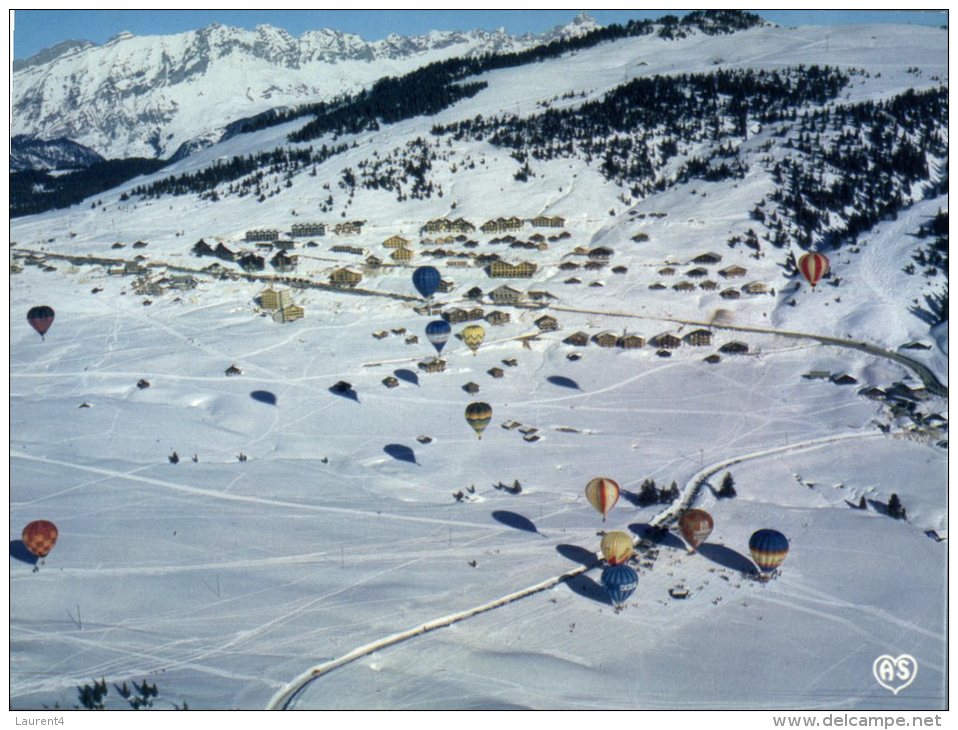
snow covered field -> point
(223, 580)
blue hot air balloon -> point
(620, 581)
(438, 333)
(769, 548)
(426, 280)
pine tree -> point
(895, 508)
(727, 489)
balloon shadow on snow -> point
(563, 382)
(18, 550)
(514, 520)
(406, 375)
(577, 554)
(344, 390)
(657, 535)
(400, 453)
(584, 586)
(726, 557)
(263, 396)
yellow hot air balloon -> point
(602, 494)
(478, 415)
(473, 335)
(617, 547)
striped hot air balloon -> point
(478, 415)
(620, 581)
(473, 335)
(437, 333)
(41, 318)
(813, 267)
(696, 526)
(769, 548)
(602, 494)
(39, 537)
(617, 547)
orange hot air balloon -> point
(813, 267)
(696, 526)
(39, 537)
(617, 547)
(602, 494)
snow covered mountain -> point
(31, 153)
(264, 513)
(146, 96)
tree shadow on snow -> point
(400, 452)
(726, 557)
(657, 535)
(19, 551)
(577, 554)
(584, 586)
(514, 520)
(407, 375)
(563, 382)
(344, 390)
(263, 396)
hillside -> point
(223, 580)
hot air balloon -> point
(602, 494)
(438, 332)
(426, 280)
(617, 547)
(620, 581)
(769, 548)
(40, 318)
(473, 335)
(813, 267)
(39, 537)
(696, 526)
(478, 416)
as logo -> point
(895, 673)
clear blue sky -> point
(35, 30)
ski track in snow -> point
(287, 695)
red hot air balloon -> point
(39, 537)
(696, 526)
(813, 267)
(40, 318)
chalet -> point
(264, 246)
(446, 286)
(390, 382)
(620, 269)
(707, 258)
(537, 238)
(572, 280)
(496, 372)
(474, 293)
(308, 229)
(503, 269)
(283, 262)
(505, 294)
(578, 339)
(343, 248)
(487, 258)
(140, 244)
(873, 393)
(381, 335)
(500, 225)
(573, 356)
(580, 251)
(843, 379)
(684, 286)
(601, 253)
(348, 228)
(597, 283)
(428, 310)
(657, 286)
(568, 266)
(606, 339)
(471, 388)
(284, 244)
(398, 330)
(396, 242)
(734, 348)
(252, 262)
(290, 313)
(547, 221)
(456, 315)
(412, 340)
(224, 253)
(698, 338)
(663, 353)
(665, 341)
(261, 234)
(345, 277)
(475, 313)
(497, 318)
(594, 265)
(547, 323)
(708, 285)
(631, 342)
(180, 282)
(233, 370)
(118, 245)
(640, 237)
(217, 270)
(510, 362)
(713, 358)
(733, 272)
(432, 366)
(459, 263)
(756, 287)
(540, 296)
(373, 261)
(401, 255)
(697, 273)
(817, 375)
(731, 294)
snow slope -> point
(224, 580)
